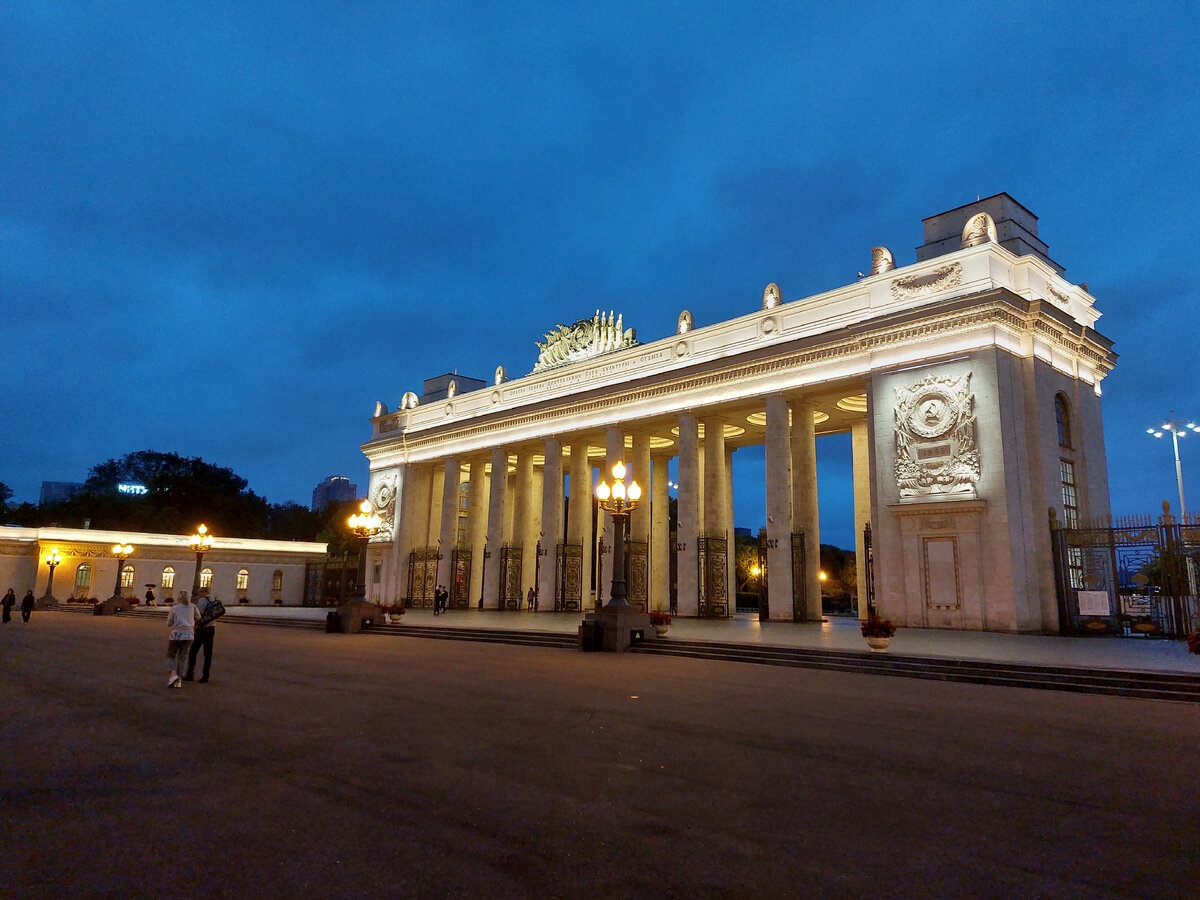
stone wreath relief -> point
(935, 438)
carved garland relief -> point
(913, 286)
(583, 340)
(935, 438)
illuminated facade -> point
(969, 381)
(238, 570)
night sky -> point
(229, 228)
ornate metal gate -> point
(764, 602)
(867, 591)
(714, 578)
(799, 579)
(637, 573)
(460, 578)
(422, 577)
(568, 577)
(510, 577)
(1133, 576)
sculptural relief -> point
(1058, 298)
(936, 451)
(583, 340)
(685, 322)
(980, 229)
(771, 296)
(881, 260)
(912, 287)
(380, 409)
(409, 401)
(501, 375)
(383, 499)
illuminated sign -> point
(133, 489)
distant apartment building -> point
(334, 489)
(58, 491)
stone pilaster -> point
(687, 588)
(660, 536)
(448, 530)
(804, 502)
(779, 510)
(552, 522)
(495, 532)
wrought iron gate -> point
(764, 602)
(799, 579)
(713, 560)
(867, 591)
(568, 577)
(637, 574)
(510, 577)
(460, 578)
(1133, 576)
(422, 577)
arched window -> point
(243, 580)
(127, 574)
(1062, 419)
(277, 581)
(168, 577)
(206, 578)
(83, 577)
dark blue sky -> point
(229, 228)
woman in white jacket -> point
(181, 625)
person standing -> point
(203, 639)
(150, 596)
(531, 598)
(181, 630)
(9, 601)
(27, 606)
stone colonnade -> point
(526, 520)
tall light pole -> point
(200, 542)
(620, 503)
(1178, 430)
(365, 523)
(122, 552)
(53, 558)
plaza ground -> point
(371, 765)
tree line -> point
(181, 492)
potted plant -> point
(1193, 642)
(661, 620)
(878, 632)
(393, 612)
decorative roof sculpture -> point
(585, 339)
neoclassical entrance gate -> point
(968, 382)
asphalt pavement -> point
(318, 765)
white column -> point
(433, 514)
(660, 536)
(861, 456)
(477, 524)
(448, 530)
(579, 511)
(639, 471)
(495, 532)
(614, 450)
(779, 511)
(552, 522)
(687, 589)
(524, 533)
(731, 539)
(804, 502)
(396, 571)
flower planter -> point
(878, 644)
(661, 630)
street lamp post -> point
(53, 558)
(122, 552)
(364, 524)
(200, 542)
(619, 502)
(1178, 430)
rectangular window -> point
(1066, 471)
(243, 580)
(277, 581)
(127, 575)
(168, 578)
(377, 574)
(206, 578)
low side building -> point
(236, 570)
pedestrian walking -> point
(9, 601)
(203, 639)
(530, 599)
(150, 596)
(181, 630)
(27, 606)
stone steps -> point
(1145, 685)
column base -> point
(613, 628)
